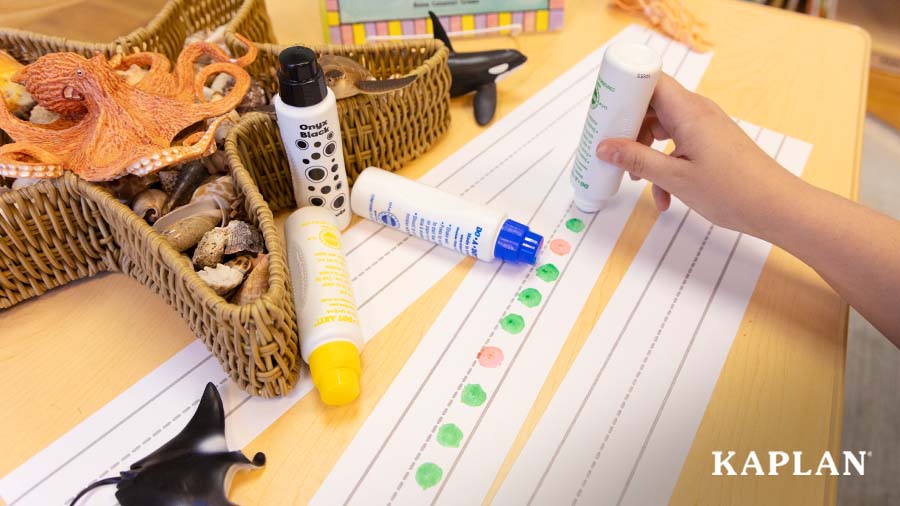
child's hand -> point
(715, 168)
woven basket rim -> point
(167, 10)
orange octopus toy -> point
(109, 128)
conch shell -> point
(255, 285)
(148, 204)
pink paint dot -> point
(490, 356)
(560, 246)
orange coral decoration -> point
(110, 128)
(671, 17)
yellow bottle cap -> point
(335, 370)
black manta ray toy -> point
(477, 71)
(194, 468)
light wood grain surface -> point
(66, 354)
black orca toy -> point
(477, 71)
(194, 468)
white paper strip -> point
(442, 429)
(619, 428)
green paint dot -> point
(575, 225)
(512, 323)
(530, 297)
(473, 395)
(548, 272)
(428, 475)
(449, 435)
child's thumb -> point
(639, 160)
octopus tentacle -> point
(248, 57)
(229, 101)
(155, 62)
(184, 66)
(46, 165)
(16, 127)
(193, 148)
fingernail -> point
(617, 157)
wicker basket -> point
(65, 229)
(384, 131)
(164, 34)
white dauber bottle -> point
(625, 83)
(308, 120)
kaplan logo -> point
(769, 465)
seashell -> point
(40, 115)
(219, 83)
(126, 189)
(184, 234)
(255, 98)
(185, 226)
(213, 207)
(189, 178)
(211, 248)
(220, 186)
(149, 203)
(255, 285)
(221, 278)
(243, 238)
(17, 98)
(167, 180)
(24, 182)
(242, 263)
(225, 127)
(216, 163)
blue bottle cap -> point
(517, 243)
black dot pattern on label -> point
(334, 168)
(315, 174)
(306, 160)
(330, 135)
(338, 186)
(326, 190)
(338, 202)
(301, 144)
(335, 177)
(317, 144)
(311, 188)
(316, 156)
(329, 148)
(317, 201)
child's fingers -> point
(642, 161)
(645, 135)
(661, 198)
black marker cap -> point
(301, 80)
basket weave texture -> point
(385, 131)
(64, 229)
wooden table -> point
(67, 353)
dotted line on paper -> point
(640, 370)
(158, 431)
(465, 377)
(382, 257)
(517, 151)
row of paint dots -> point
(449, 435)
